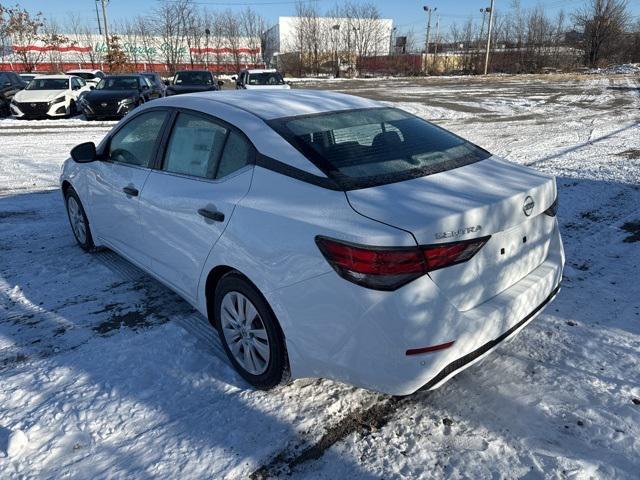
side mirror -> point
(91, 87)
(84, 153)
(145, 87)
(166, 82)
(220, 83)
(234, 78)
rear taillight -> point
(388, 268)
(553, 209)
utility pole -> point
(429, 11)
(435, 48)
(98, 17)
(486, 58)
(484, 16)
(106, 28)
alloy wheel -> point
(77, 220)
(245, 333)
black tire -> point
(73, 109)
(277, 370)
(86, 243)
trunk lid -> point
(477, 200)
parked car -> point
(91, 77)
(191, 81)
(10, 84)
(156, 81)
(49, 96)
(27, 77)
(117, 95)
(323, 234)
(260, 79)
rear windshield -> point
(118, 83)
(193, 78)
(83, 75)
(362, 148)
(266, 78)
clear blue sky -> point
(405, 13)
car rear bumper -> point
(338, 330)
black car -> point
(156, 81)
(190, 81)
(117, 95)
(10, 84)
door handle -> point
(212, 214)
(130, 191)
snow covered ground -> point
(107, 374)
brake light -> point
(389, 268)
(553, 209)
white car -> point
(91, 77)
(322, 234)
(49, 96)
(260, 79)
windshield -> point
(266, 78)
(48, 84)
(361, 148)
(118, 83)
(193, 78)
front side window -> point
(4, 79)
(135, 142)
(48, 84)
(361, 148)
(195, 146)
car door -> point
(187, 202)
(119, 179)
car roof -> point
(261, 70)
(55, 77)
(83, 70)
(271, 104)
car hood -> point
(95, 96)
(191, 88)
(25, 96)
(268, 87)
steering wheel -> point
(126, 156)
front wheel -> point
(250, 333)
(78, 220)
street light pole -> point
(106, 24)
(207, 32)
(486, 58)
(429, 11)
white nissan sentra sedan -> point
(322, 234)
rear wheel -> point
(249, 332)
(78, 220)
(73, 109)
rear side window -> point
(195, 146)
(361, 148)
(237, 154)
(135, 142)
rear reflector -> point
(433, 348)
(388, 268)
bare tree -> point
(169, 25)
(25, 30)
(231, 31)
(54, 41)
(252, 25)
(603, 23)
